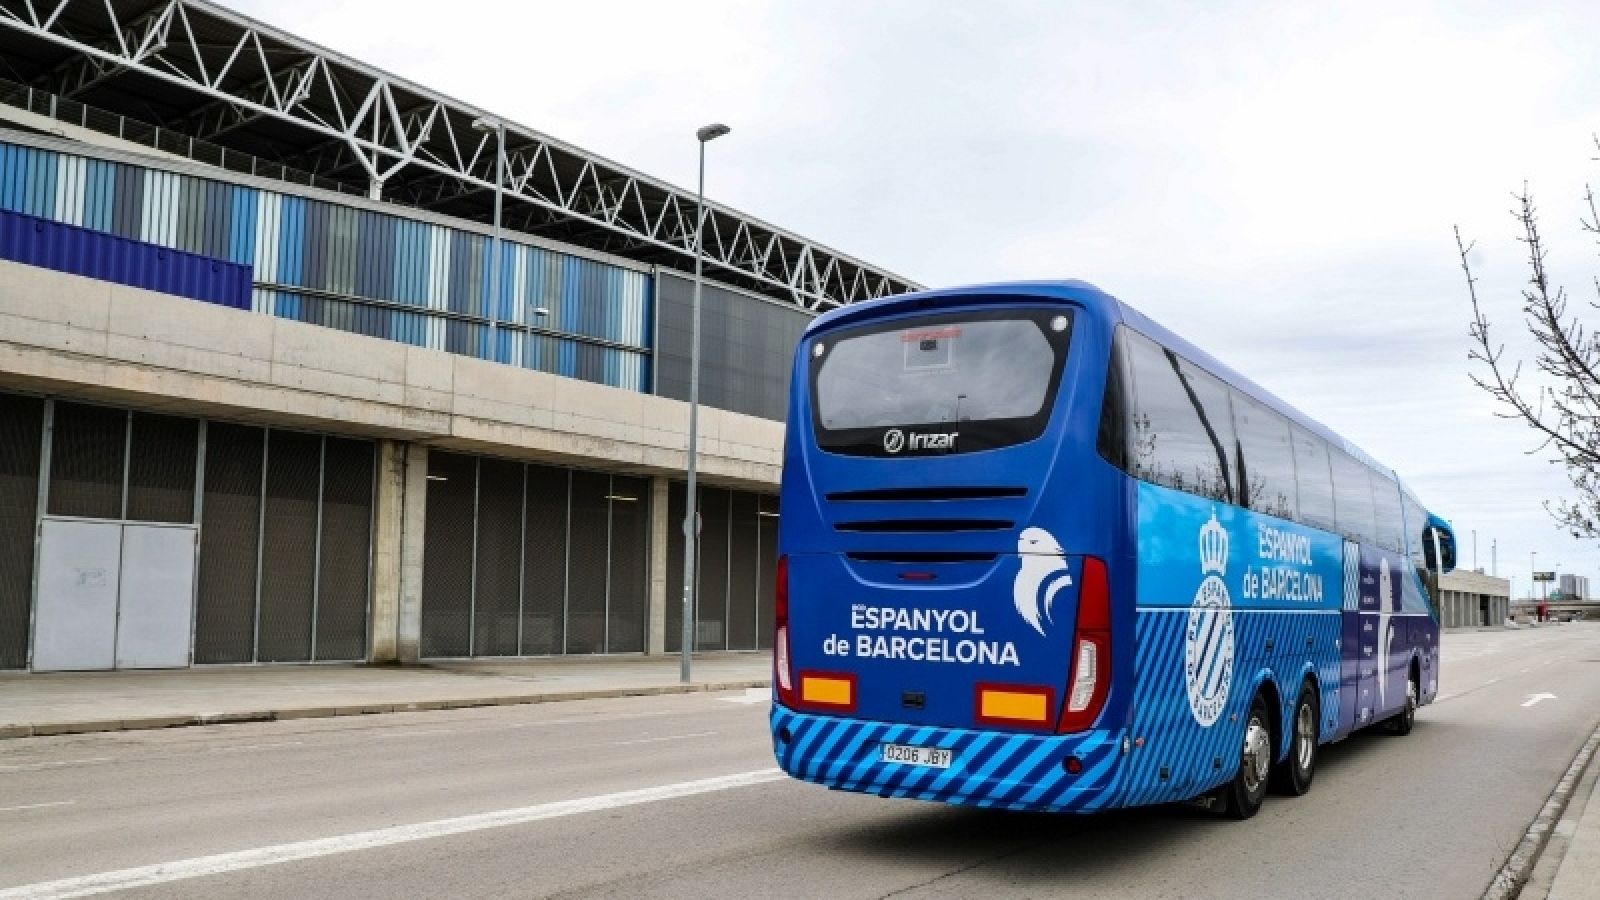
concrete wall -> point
(78, 337)
(1465, 594)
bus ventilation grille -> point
(928, 493)
(925, 526)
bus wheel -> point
(1402, 721)
(1293, 775)
(1241, 797)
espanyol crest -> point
(1208, 641)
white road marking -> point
(1535, 698)
(415, 732)
(243, 747)
(221, 863)
(750, 697)
(31, 767)
(37, 805)
(657, 740)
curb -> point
(1508, 882)
(8, 731)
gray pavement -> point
(82, 702)
(676, 796)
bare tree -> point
(1562, 405)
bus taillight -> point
(1091, 650)
(780, 640)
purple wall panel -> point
(97, 254)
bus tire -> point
(1293, 775)
(1401, 722)
(1241, 797)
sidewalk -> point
(1577, 875)
(80, 702)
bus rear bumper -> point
(991, 769)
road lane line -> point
(418, 732)
(221, 863)
(37, 805)
(243, 747)
(60, 764)
(657, 740)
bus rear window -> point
(938, 384)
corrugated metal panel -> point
(80, 251)
(297, 242)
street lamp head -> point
(484, 123)
(541, 310)
(711, 132)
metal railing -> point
(166, 140)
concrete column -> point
(656, 606)
(383, 619)
(414, 521)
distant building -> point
(1472, 598)
(1574, 587)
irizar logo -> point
(1208, 640)
(1042, 576)
(895, 440)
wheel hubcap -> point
(1257, 755)
(1411, 698)
(1306, 733)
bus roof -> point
(1102, 304)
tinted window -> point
(1415, 519)
(1386, 503)
(1114, 409)
(946, 383)
(948, 372)
(1315, 482)
(1181, 424)
(1266, 458)
(1353, 498)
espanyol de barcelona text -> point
(972, 649)
(1282, 582)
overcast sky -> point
(1276, 183)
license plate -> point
(904, 755)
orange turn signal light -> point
(828, 689)
(1010, 704)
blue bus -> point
(1040, 553)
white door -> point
(156, 608)
(75, 623)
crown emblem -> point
(1213, 547)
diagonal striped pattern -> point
(1196, 759)
(991, 769)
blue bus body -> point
(1012, 613)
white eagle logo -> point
(1044, 569)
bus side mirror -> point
(1445, 542)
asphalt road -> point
(676, 797)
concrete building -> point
(1470, 599)
(425, 438)
(1573, 587)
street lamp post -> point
(499, 129)
(691, 531)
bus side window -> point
(1221, 480)
(1416, 523)
(1266, 459)
(1315, 480)
(1390, 534)
(1170, 442)
(1115, 406)
(1352, 492)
